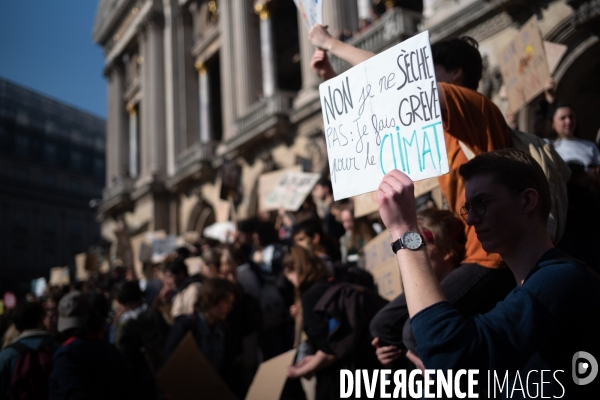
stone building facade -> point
(195, 83)
(52, 159)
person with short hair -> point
(544, 323)
(187, 288)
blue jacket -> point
(553, 315)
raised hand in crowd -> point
(320, 38)
(550, 91)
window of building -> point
(76, 160)
(99, 167)
(21, 144)
(75, 228)
(22, 118)
(20, 174)
(20, 220)
(50, 153)
(50, 128)
(49, 180)
(49, 224)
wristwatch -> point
(410, 240)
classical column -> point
(171, 61)
(227, 77)
(116, 162)
(133, 140)
(245, 45)
(153, 125)
(204, 101)
(187, 84)
(267, 55)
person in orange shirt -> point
(470, 118)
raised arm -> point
(320, 38)
(398, 212)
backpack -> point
(556, 170)
(32, 371)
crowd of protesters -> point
(298, 279)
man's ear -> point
(530, 200)
(458, 76)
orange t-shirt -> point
(476, 121)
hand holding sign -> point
(381, 115)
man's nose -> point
(472, 218)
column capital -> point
(114, 66)
(200, 67)
(261, 8)
(130, 107)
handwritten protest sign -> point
(524, 66)
(187, 374)
(381, 115)
(270, 378)
(291, 191)
(59, 276)
(381, 262)
(268, 181)
(311, 11)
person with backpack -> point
(335, 318)
(26, 363)
(140, 336)
(85, 366)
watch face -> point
(412, 240)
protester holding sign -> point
(550, 321)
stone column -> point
(229, 111)
(153, 126)
(267, 51)
(310, 80)
(187, 84)
(245, 46)
(133, 141)
(204, 101)
(117, 144)
(171, 61)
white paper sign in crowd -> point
(384, 114)
(291, 191)
(311, 11)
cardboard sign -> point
(311, 11)
(384, 114)
(194, 265)
(270, 378)
(268, 181)
(59, 276)
(188, 375)
(291, 191)
(382, 263)
(524, 66)
(221, 231)
(162, 247)
(81, 273)
(366, 204)
(554, 53)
